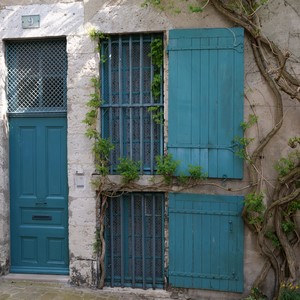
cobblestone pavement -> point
(33, 290)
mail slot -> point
(42, 218)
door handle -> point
(230, 226)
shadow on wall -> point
(59, 19)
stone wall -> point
(83, 65)
(58, 19)
(4, 182)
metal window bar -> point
(130, 96)
(111, 242)
(37, 76)
(134, 241)
(121, 111)
(143, 243)
(153, 246)
(141, 100)
(126, 75)
(122, 245)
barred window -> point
(126, 78)
(37, 76)
(134, 234)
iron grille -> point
(134, 241)
(37, 76)
(126, 74)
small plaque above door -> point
(32, 21)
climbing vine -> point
(128, 169)
(156, 54)
(271, 219)
(241, 143)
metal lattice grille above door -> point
(37, 76)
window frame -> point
(135, 234)
(125, 106)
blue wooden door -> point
(38, 185)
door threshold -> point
(37, 277)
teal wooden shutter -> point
(206, 96)
(206, 240)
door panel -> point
(38, 184)
(206, 242)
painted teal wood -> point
(206, 83)
(206, 241)
(38, 185)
